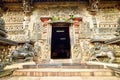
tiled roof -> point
(53, 0)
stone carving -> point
(26, 27)
(37, 47)
(85, 32)
(111, 17)
(94, 5)
(26, 6)
(4, 47)
(17, 31)
(77, 52)
(24, 52)
(60, 12)
(46, 53)
(100, 50)
(107, 30)
(108, 9)
(86, 47)
(118, 28)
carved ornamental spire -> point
(27, 6)
(94, 5)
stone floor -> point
(60, 78)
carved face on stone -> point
(97, 45)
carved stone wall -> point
(107, 21)
(101, 26)
(40, 30)
(14, 24)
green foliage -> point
(53, 18)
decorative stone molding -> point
(45, 20)
(76, 21)
(16, 32)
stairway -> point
(63, 70)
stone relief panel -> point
(46, 53)
(107, 22)
(108, 8)
(14, 24)
(85, 31)
(76, 53)
(85, 46)
(13, 16)
(108, 17)
(35, 31)
(60, 11)
(107, 30)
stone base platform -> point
(63, 70)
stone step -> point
(63, 65)
(60, 78)
(61, 61)
(47, 72)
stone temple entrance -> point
(60, 46)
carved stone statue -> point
(26, 6)
(25, 52)
(94, 5)
(99, 50)
(118, 28)
(37, 47)
(37, 56)
(77, 51)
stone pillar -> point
(26, 27)
(76, 48)
(43, 55)
(27, 8)
(45, 36)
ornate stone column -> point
(27, 8)
(76, 48)
(93, 9)
(44, 53)
(26, 27)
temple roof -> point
(10, 1)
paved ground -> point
(60, 78)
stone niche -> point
(42, 22)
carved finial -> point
(94, 6)
(27, 6)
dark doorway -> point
(60, 47)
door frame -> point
(61, 24)
(67, 47)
